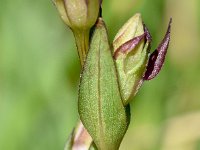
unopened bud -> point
(78, 14)
(132, 28)
(131, 55)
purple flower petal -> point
(129, 45)
(157, 58)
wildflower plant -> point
(112, 73)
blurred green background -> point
(39, 76)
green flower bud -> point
(131, 56)
(78, 14)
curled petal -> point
(129, 45)
(157, 58)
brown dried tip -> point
(157, 58)
(129, 45)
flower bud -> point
(131, 53)
(131, 46)
(132, 28)
(78, 14)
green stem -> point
(80, 139)
(82, 43)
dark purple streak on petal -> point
(148, 35)
(157, 58)
(129, 45)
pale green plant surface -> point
(39, 75)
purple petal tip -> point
(157, 58)
(148, 35)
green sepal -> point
(130, 79)
(100, 105)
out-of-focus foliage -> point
(39, 76)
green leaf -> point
(131, 68)
(100, 106)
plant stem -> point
(82, 43)
(80, 138)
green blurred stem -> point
(82, 43)
(80, 139)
